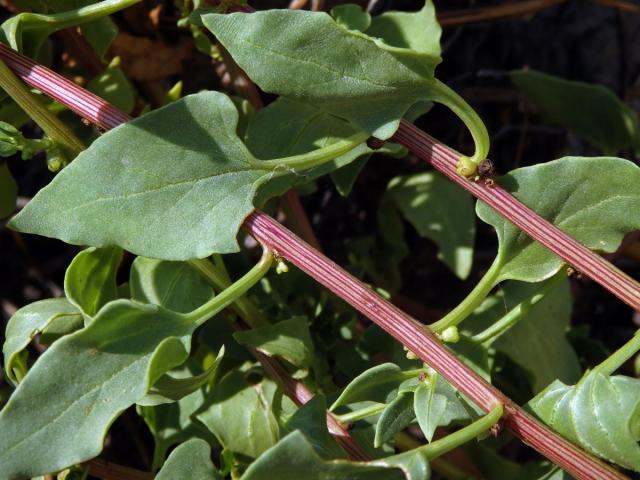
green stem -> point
(472, 301)
(361, 413)
(50, 124)
(405, 442)
(445, 95)
(233, 291)
(620, 356)
(216, 274)
(314, 158)
(516, 313)
(58, 21)
(462, 436)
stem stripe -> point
(402, 327)
(570, 250)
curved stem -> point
(448, 97)
(50, 124)
(472, 301)
(216, 275)
(462, 436)
(516, 313)
(233, 291)
(70, 18)
(620, 356)
(317, 157)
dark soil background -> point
(577, 40)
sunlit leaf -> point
(599, 413)
(592, 199)
(174, 184)
(113, 362)
(370, 81)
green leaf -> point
(286, 127)
(441, 211)
(168, 389)
(26, 32)
(60, 326)
(294, 457)
(114, 87)
(175, 286)
(237, 408)
(175, 184)
(370, 82)
(418, 31)
(100, 33)
(429, 408)
(396, 416)
(8, 191)
(538, 342)
(171, 423)
(378, 384)
(593, 112)
(114, 360)
(90, 279)
(289, 339)
(574, 193)
(25, 324)
(351, 16)
(599, 413)
(191, 460)
(311, 420)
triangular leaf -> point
(574, 193)
(115, 361)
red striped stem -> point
(570, 250)
(401, 326)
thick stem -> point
(427, 347)
(516, 313)
(52, 127)
(472, 301)
(409, 332)
(620, 356)
(215, 273)
(570, 250)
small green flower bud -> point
(450, 335)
